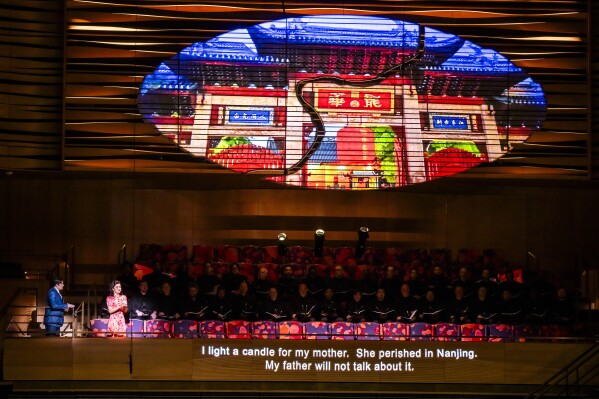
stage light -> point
(318, 242)
(282, 246)
(361, 245)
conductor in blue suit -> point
(55, 308)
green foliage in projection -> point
(230, 141)
(384, 146)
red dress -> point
(116, 322)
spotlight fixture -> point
(318, 242)
(281, 246)
(361, 245)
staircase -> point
(578, 379)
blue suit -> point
(54, 315)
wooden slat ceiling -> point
(106, 64)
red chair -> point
(157, 329)
(202, 253)
(390, 256)
(290, 330)
(251, 254)
(300, 255)
(212, 329)
(447, 332)
(317, 330)
(367, 331)
(473, 332)
(264, 329)
(345, 256)
(270, 254)
(373, 256)
(173, 255)
(228, 253)
(328, 256)
(500, 333)
(393, 331)
(239, 329)
(185, 329)
(341, 330)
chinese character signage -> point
(371, 101)
(450, 122)
(249, 116)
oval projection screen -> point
(342, 102)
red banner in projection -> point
(364, 101)
(355, 146)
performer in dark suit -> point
(55, 308)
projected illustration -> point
(342, 102)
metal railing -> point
(574, 379)
(27, 321)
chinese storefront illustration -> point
(342, 102)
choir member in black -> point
(417, 286)
(274, 309)
(406, 306)
(314, 282)
(142, 305)
(208, 282)
(380, 310)
(487, 281)
(562, 308)
(181, 282)
(511, 285)
(287, 284)
(303, 307)
(439, 283)
(128, 280)
(244, 303)
(430, 310)
(156, 278)
(481, 308)
(509, 310)
(221, 307)
(457, 308)
(261, 285)
(167, 303)
(233, 278)
(537, 309)
(341, 285)
(391, 283)
(544, 289)
(357, 309)
(193, 305)
(330, 309)
(367, 285)
(465, 282)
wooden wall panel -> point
(188, 360)
(31, 53)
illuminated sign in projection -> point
(342, 102)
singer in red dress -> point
(117, 307)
